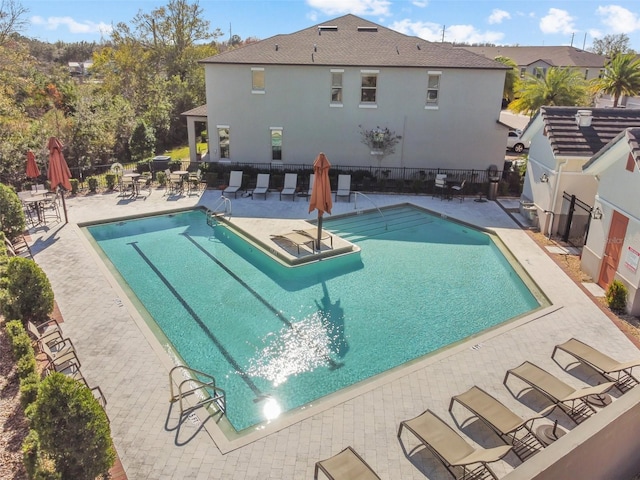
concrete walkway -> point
(119, 353)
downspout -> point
(555, 195)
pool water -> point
(294, 335)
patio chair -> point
(127, 187)
(310, 189)
(512, 429)
(66, 363)
(60, 355)
(451, 449)
(49, 207)
(458, 190)
(290, 185)
(262, 185)
(18, 248)
(195, 180)
(572, 401)
(176, 184)
(346, 465)
(344, 187)
(610, 369)
(440, 186)
(48, 332)
(235, 183)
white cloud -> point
(420, 4)
(73, 26)
(497, 16)
(595, 33)
(357, 7)
(557, 21)
(619, 19)
(453, 33)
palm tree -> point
(559, 86)
(621, 76)
(511, 78)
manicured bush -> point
(161, 177)
(21, 345)
(93, 184)
(73, 428)
(26, 365)
(12, 220)
(111, 180)
(75, 185)
(29, 389)
(616, 296)
(28, 292)
(30, 448)
(14, 328)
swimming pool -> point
(294, 335)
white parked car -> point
(515, 143)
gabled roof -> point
(560, 56)
(568, 139)
(601, 161)
(352, 41)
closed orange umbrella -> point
(321, 191)
(59, 173)
(32, 167)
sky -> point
(540, 22)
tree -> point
(28, 295)
(611, 45)
(73, 429)
(559, 86)
(12, 19)
(621, 76)
(142, 143)
(381, 141)
(511, 78)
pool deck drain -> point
(121, 356)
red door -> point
(613, 249)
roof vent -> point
(583, 118)
(367, 29)
(327, 28)
(276, 47)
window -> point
(523, 70)
(540, 72)
(586, 73)
(223, 141)
(276, 143)
(369, 86)
(433, 89)
(257, 80)
(336, 86)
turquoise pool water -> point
(294, 335)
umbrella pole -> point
(64, 207)
(319, 231)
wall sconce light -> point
(596, 214)
(544, 178)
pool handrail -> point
(218, 397)
(355, 206)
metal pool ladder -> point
(206, 391)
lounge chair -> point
(344, 187)
(262, 185)
(17, 249)
(290, 185)
(346, 465)
(459, 189)
(512, 429)
(312, 178)
(610, 369)
(451, 449)
(235, 183)
(296, 239)
(440, 185)
(313, 233)
(572, 401)
(48, 332)
(61, 356)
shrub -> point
(14, 328)
(30, 448)
(73, 428)
(616, 296)
(28, 292)
(12, 220)
(75, 185)
(111, 180)
(26, 365)
(161, 177)
(29, 389)
(21, 345)
(93, 184)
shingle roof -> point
(568, 139)
(600, 161)
(352, 41)
(560, 56)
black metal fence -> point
(363, 178)
(574, 219)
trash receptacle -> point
(493, 188)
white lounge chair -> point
(312, 177)
(290, 185)
(235, 183)
(344, 187)
(262, 185)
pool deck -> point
(121, 355)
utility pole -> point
(572, 35)
(584, 42)
(443, 30)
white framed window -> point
(336, 87)
(223, 141)
(257, 80)
(276, 143)
(368, 88)
(523, 70)
(433, 89)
